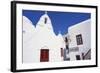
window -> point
(66, 40)
(77, 57)
(79, 39)
(61, 52)
(45, 20)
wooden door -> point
(44, 55)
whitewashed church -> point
(40, 43)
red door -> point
(44, 55)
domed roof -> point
(28, 30)
(60, 37)
(27, 25)
(59, 34)
(45, 21)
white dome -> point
(42, 19)
(27, 25)
(45, 21)
(60, 35)
(28, 29)
(61, 40)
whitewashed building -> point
(80, 40)
(40, 44)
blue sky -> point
(60, 20)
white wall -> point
(83, 28)
(5, 37)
